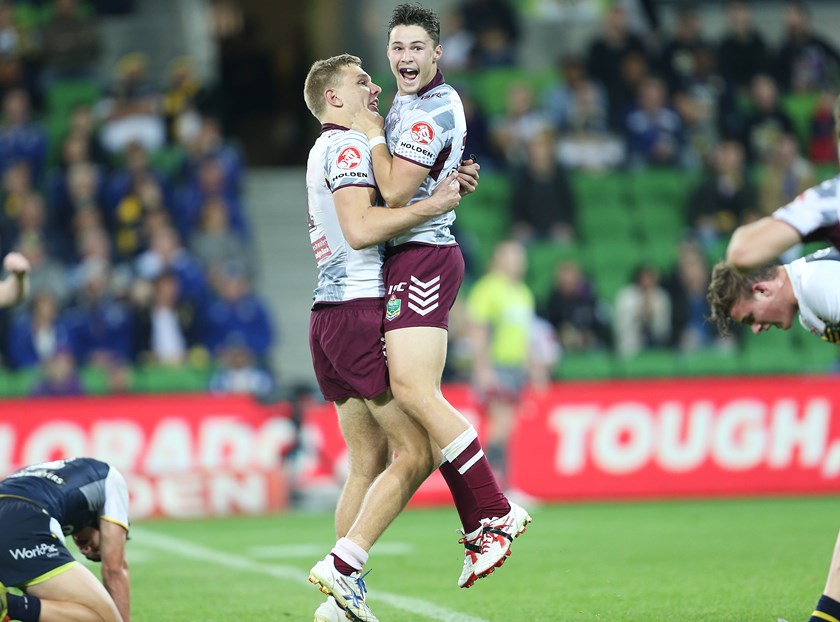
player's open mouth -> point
(408, 74)
(374, 105)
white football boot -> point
(329, 611)
(472, 548)
(496, 538)
(348, 590)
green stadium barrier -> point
(597, 365)
(649, 364)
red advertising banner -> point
(181, 455)
(206, 455)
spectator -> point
(606, 57)
(47, 274)
(214, 244)
(238, 371)
(166, 253)
(687, 286)
(521, 122)
(31, 221)
(724, 199)
(457, 41)
(131, 112)
(71, 43)
(21, 140)
(17, 49)
(579, 319)
(100, 324)
(806, 63)
(501, 309)
(654, 130)
(742, 47)
(494, 26)
(59, 377)
(184, 99)
(236, 313)
(39, 334)
(83, 199)
(542, 205)
(165, 329)
(785, 176)
(767, 120)
(677, 60)
(706, 105)
(642, 318)
(822, 144)
(563, 100)
(191, 197)
(478, 131)
(208, 143)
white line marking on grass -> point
(316, 550)
(417, 606)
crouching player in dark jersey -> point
(39, 506)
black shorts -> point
(30, 552)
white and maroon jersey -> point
(816, 285)
(429, 129)
(340, 158)
(815, 213)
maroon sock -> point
(463, 497)
(481, 481)
(342, 566)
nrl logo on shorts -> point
(392, 308)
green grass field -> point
(739, 560)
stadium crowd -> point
(743, 126)
(126, 198)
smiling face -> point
(766, 308)
(413, 57)
(357, 91)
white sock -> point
(461, 442)
(351, 553)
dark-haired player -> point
(40, 505)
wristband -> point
(379, 140)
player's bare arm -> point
(759, 242)
(115, 575)
(364, 224)
(13, 289)
(396, 178)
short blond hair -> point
(323, 75)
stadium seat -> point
(491, 86)
(818, 356)
(800, 108)
(543, 259)
(667, 187)
(775, 351)
(171, 379)
(649, 364)
(709, 362)
(585, 366)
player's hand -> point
(468, 176)
(369, 123)
(446, 196)
(17, 264)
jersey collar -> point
(326, 127)
(434, 83)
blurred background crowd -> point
(620, 144)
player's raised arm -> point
(364, 224)
(754, 244)
(14, 288)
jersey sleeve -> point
(116, 499)
(349, 162)
(815, 208)
(821, 290)
(424, 137)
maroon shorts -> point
(421, 283)
(348, 349)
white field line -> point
(168, 544)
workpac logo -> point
(42, 550)
(422, 133)
(349, 158)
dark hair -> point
(416, 15)
(728, 286)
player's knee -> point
(411, 398)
